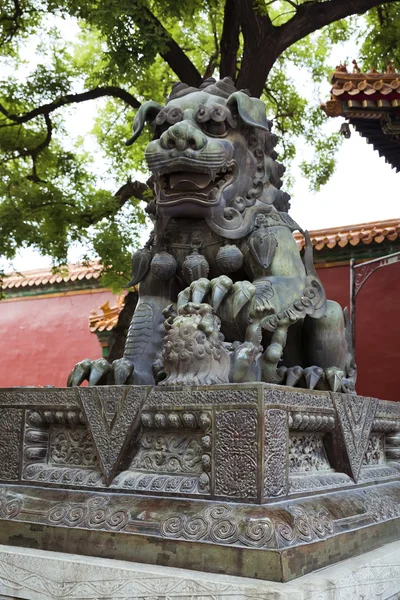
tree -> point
(125, 52)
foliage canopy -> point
(115, 54)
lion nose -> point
(182, 136)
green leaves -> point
(381, 40)
(57, 185)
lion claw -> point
(100, 368)
(123, 369)
(243, 292)
(293, 375)
(80, 373)
(335, 378)
(220, 286)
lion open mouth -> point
(201, 184)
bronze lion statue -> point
(224, 294)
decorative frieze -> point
(10, 443)
(236, 453)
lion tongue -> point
(188, 181)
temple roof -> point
(371, 103)
(363, 233)
(40, 277)
(105, 317)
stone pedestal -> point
(40, 575)
(249, 480)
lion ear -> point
(251, 110)
(147, 112)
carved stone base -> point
(253, 480)
(39, 575)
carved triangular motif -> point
(113, 415)
(355, 415)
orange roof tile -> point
(352, 234)
(107, 319)
(43, 276)
(366, 95)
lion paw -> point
(311, 377)
(219, 292)
(101, 372)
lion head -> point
(212, 157)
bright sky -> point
(363, 188)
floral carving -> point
(374, 454)
(307, 453)
(72, 447)
(236, 453)
(275, 476)
(168, 453)
(10, 427)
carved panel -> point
(355, 415)
(61, 398)
(182, 446)
(169, 453)
(71, 447)
(157, 483)
(10, 432)
(194, 396)
(275, 453)
(44, 473)
(288, 397)
(56, 446)
(313, 482)
(94, 513)
(236, 453)
(375, 453)
(113, 417)
(307, 453)
(220, 525)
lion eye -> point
(174, 115)
(214, 128)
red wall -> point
(377, 327)
(42, 338)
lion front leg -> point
(327, 347)
(143, 342)
(146, 331)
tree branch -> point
(131, 189)
(313, 15)
(46, 109)
(264, 42)
(15, 24)
(256, 30)
(229, 40)
(174, 56)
